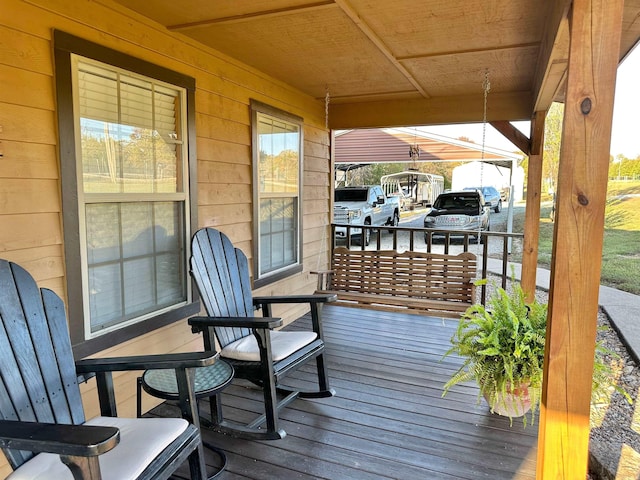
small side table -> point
(209, 382)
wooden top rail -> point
(416, 281)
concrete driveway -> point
(415, 219)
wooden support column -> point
(563, 441)
(532, 212)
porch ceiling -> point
(395, 62)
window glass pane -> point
(139, 286)
(137, 229)
(135, 255)
(130, 135)
(105, 295)
(103, 233)
(279, 155)
(169, 273)
(278, 234)
(168, 141)
(170, 254)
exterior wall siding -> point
(31, 212)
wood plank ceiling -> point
(395, 62)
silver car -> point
(491, 196)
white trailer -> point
(413, 188)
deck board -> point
(388, 419)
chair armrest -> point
(145, 362)
(183, 363)
(316, 298)
(77, 440)
(199, 323)
(315, 301)
(325, 278)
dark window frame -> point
(259, 107)
(64, 46)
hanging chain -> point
(327, 99)
(414, 150)
(486, 86)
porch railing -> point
(494, 245)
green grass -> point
(621, 246)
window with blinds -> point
(132, 192)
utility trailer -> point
(413, 188)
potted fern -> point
(503, 350)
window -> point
(126, 193)
(277, 159)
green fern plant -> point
(503, 351)
(502, 347)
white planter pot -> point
(513, 403)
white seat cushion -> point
(141, 440)
(283, 344)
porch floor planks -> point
(388, 419)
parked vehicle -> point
(364, 205)
(491, 196)
(463, 210)
(413, 188)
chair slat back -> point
(221, 273)
(38, 380)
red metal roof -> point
(386, 145)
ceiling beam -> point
(251, 16)
(512, 134)
(552, 61)
(380, 45)
(433, 111)
(453, 53)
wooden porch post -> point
(532, 212)
(563, 441)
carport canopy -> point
(361, 147)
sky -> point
(625, 136)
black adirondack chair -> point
(41, 409)
(257, 352)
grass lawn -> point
(621, 249)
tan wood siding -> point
(31, 232)
(28, 160)
(28, 231)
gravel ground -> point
(615, 428)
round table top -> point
(209, 380)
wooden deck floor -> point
(388, 419)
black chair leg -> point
(139, 397)
(323, 377)
(215, 407)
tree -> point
(552, 141)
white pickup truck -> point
(366, 205)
